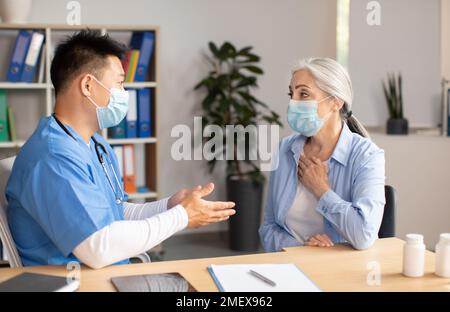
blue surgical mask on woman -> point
(303, 118)
(116, 110)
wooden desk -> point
(338, 268)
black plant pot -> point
(397, 126)
(244, 224)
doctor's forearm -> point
(125, 239)
(144, 211)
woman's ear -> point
(86, 85)
(338, 103)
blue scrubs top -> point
(58, 195)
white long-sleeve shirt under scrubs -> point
(145, 226)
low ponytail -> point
(352, 122)
(332, 78)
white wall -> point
(445, 38)
(280, 31)
(408, 40)
(418, 168)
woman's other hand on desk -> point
(319, 240)
(313, 174)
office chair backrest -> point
(387, 228)
(5, 234)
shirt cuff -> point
(327, 201)
(163, 204)
(182, 216)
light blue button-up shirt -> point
(353, 207)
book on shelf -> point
(131, 70)
(144, 117)
(125, 156)
(132, 115)
(26, 57)
(15, 68)
(33, 56)
(138, 58)
(144, 42)
(7, 122)
(41, 71)
(119, 131)
(129, 169)
(138, 122)
(12, 125)
(118, 151)
(126, 63)
(4, 122)
(448, 112)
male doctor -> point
(65, 200)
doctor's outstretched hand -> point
(203, 212)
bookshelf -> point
(31, 101)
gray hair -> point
(332, 78)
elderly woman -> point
(329, 184)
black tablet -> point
(166, 282)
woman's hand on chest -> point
(313, 174)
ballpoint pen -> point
(262, 278)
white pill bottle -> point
(443, 256)
(414, 256)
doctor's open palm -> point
(203, 212)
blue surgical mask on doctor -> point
(116, 110)
(303, 118)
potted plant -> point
(396, 123)
(229, 101)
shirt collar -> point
(343, 147)
(341, 151)
(74, 134)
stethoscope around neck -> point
(99, 148)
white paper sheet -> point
(236, 277)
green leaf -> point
(388, 100)
(247, 97)
(200, 84)
(208, 100)
(213, 48)
(245, 51)
(254, 69)
(392, 94)
(400, 96)
(246, 82)
(251, 58)
(227, 51)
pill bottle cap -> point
(414, 238)
(445, 238)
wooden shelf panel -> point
(138, 85)
(132, 141)
(23, 85)
(76, 27)
(14, 144)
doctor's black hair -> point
(86, 50)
